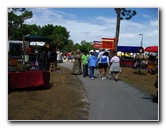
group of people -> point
(40, 59)
(101, 61)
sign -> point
(97, 44)
(37, 43)
(108, 43)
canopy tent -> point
(151, 49)
(37, 37)
(131, 49)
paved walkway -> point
(116, 101)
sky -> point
(92, 24)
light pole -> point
(141, 39)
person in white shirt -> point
(101, 52)
(115, 67)
(104, 63)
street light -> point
(141, 39)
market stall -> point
(28, 79)
(129, 60)
(30, 74)
(153, 56)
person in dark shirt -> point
(53, 57)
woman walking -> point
(104, 63)
(92, 63)
(115, 67)
(76, 70)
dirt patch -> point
(65, 100)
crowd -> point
(105, 61)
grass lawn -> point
(65, 100)
(144, 81)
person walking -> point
(84, 59)
(115, 67)
(76, 69)
(92, 63)
(101, 52)
(104, 63)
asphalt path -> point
(116, 101)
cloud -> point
(95, 28)
(154, 23)
(146, 16)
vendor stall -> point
(128, 60)
(153, 59)
(28, 79)
(30, 74)
(151, 49)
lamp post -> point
(141, 39)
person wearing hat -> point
(76, 69)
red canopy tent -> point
(152, 59)
(151, 49)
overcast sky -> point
(92, 24)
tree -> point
(47, 30)
(69, 46)
(25, 29)
(86, 46)
(60, 36)
(15, 20)
(122, 13)
(77, 46)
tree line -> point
(17, 29)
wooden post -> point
(23, 51)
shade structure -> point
(151, 49)
(37, 37)
(131, 49)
